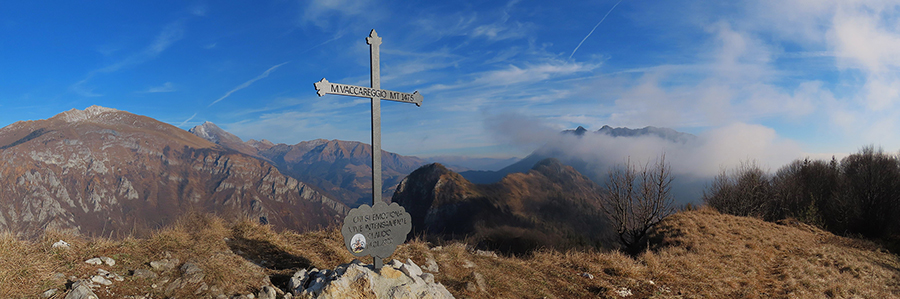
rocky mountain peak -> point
(89, 113)
(578, 131)
(664, 133)
(212, 132)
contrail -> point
(595, 28)
(189, 119)
(245, 84)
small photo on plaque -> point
(358, 243)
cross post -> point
(374, 42)
(376, 94)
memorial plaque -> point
(376, 230)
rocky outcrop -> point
(101, 171)
(358, 280)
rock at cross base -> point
(266, 292)
(358, 280)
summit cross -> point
(392, 222)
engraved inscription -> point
(376, 230)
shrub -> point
(636, 201)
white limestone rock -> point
(164, 264)
(108, 260)
(358, 280)
(94, 261)
(431, 265)
(266, 292)
(81, 290)
(101, 280)
(60, 244)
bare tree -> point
(745, 192)
(636, 200)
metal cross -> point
(376, 94)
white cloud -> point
(703, 157)
(532, 73)
(502, 30)
(170, 34)
(166, 87)
(866, 38)
(320, 12)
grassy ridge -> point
(696, 254)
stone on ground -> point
(81, 290)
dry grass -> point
(697, 254)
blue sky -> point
(767, 80)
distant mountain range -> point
(551, 151)
(551, 205)
(101, 171)
(105, 171)
(341, 168)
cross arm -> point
(324, 87)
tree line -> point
(858, 196)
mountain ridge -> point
(551, 206)
(341, 168)
(106, 171)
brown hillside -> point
(101, 171)
(700, 254)
(551, 206)
(741, 257)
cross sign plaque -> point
(375, 230)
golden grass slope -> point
(695, 254)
